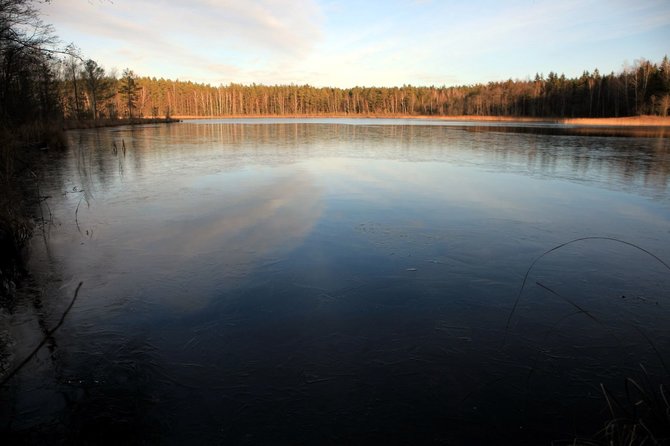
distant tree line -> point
(641, 89)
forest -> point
(85, 91)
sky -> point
(345, 43)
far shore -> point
(91, 124)
(629, 121)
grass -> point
(644, 416)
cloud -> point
(345, 43)
(195, 35)
(279, 25)
(287, 27)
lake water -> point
(341, 281)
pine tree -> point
(128, 90)
(97, 84)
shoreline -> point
(639, 123)
(101, 123)
(628, 121)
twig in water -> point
(581, 310)
(51, 215)
(76, 214)
(46, 337)
(525, 277)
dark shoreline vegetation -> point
(45, 91)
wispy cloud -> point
(190, 37)
(347, 43)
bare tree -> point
(72, 69)
(26, 45)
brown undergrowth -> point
(19, 172)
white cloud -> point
(346, 43)
(189, 37)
